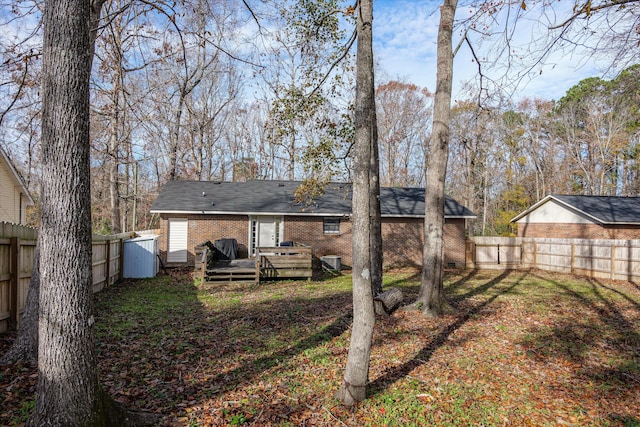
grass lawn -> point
(520, 348)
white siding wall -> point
(553, 212)
(9, 196)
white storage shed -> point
(140, 257)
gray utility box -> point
(140, 257)
(331, 262)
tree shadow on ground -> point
(157, 345)
(602, 340)
(470, 274)
(424, 355)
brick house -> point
(581, 217)
(264, 214)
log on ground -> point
(388, 301)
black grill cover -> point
(227, 249)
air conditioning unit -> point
(331, 262)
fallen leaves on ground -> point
(518, 349)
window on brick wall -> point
(331, 225)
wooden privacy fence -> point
(608, 259)
(17, 250)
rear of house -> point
(265, 214)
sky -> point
(405, 34)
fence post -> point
(14, 280)
(469, 254)
(573, 257)
(121, 258)
(107, 267)
(613, 261)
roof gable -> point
(599, 209)
(6, 163)
(277, 197)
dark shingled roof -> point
(277, 197)
(600, 209)
(605, 209)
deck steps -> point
(230, 274)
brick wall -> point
(402, 237)
(207, 227)
(309, 230)
(455, 240)
(578, 231)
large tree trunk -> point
(431, 296)
(354, 385)
(25, 347)
(68, 389)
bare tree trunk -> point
(374, 203)
(175, 135)
(68, 390)
(431, 296)
(25, 347)
(114, 194)
(354, 384)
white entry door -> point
(266, 232)
(178, 229)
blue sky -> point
(405, 34)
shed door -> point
(177, 240)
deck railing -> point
(285, 262)
(270, 263)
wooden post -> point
(14, 271)
(121, 258)
(258, 266)
(107, 268)
(469, 254)
(613, 261)
(203, 265)
(573, 257)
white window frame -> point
(325, 225)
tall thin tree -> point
(354, 384)
(431, 296)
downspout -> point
(20, 210)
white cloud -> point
(405, 34)
(405, 40)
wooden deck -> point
(269, 263)
(285, 262)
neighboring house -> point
(264, 213)
(14, 196)
(581, 217)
